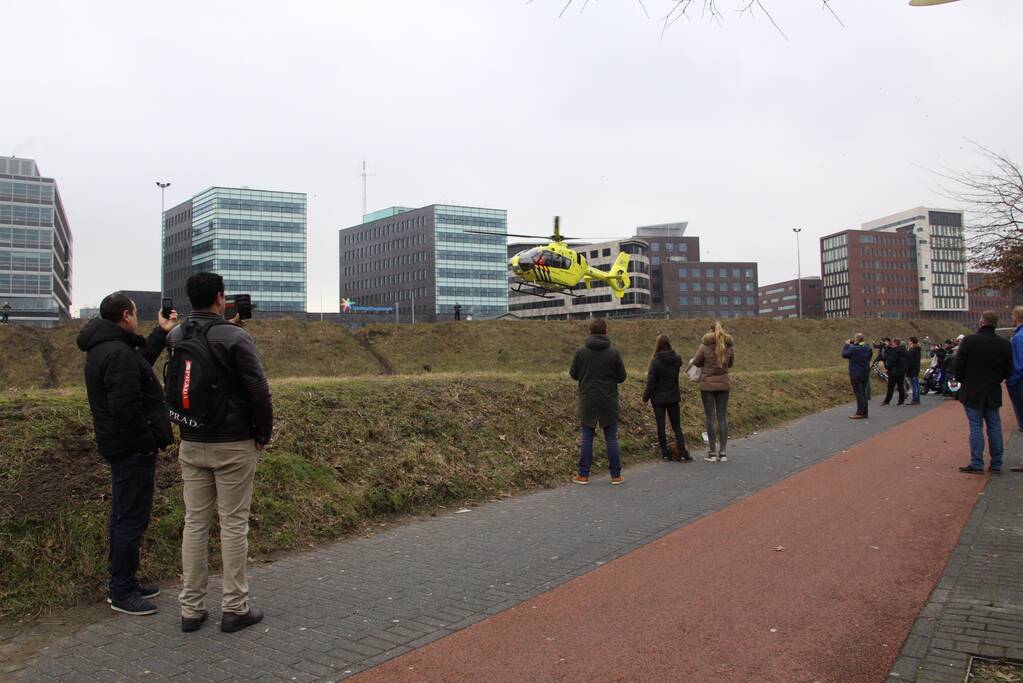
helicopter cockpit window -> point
(552, 260)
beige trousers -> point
(220, 472)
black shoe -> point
(969, 469)
(189, 624)
(133, 604)
(147, 592)
(665, 457)
(995, 470)
(236, 622)
(686, 457)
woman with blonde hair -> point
(663, 393)
(714, 357)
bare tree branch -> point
(993, 200)
(710, 11)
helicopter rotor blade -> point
(540, 238)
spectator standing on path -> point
(895, 365)
(598, 368)
(218, 460)
(6, 312)
(663, 394)
(458, 311)
(130, 420)
(714, 357)
(913, 369)
(983, 362)
(1015, 381)
(858, 353)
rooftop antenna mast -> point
(364, 176)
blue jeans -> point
(1016, 396)
(131, 503)
(977, 418)
(586, 451)
(914, 382)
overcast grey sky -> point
(500, 103)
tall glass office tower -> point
(256, 239)
(35, 246)
(472, 268)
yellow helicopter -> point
(555, 267)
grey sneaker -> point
(722, 458)
(711, 458)
(133, 604)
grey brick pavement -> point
(354, 604)
(977, 606)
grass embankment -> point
(49, 358)
(494, 413)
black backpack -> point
(197, 389)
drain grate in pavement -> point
(983, 670)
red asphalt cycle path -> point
(865, 535)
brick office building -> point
(908, 265)
(782, 299)
(683, 286)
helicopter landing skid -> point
(542, 292)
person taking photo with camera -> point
(219, 397)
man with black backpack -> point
(130, 421)
(219, 397)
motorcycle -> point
(931, 381)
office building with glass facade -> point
(256, 239)
(423, 262)
(35, 246)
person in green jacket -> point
(598, 368)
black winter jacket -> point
(983, 362)
(250, 412)
(662, 379)
(128, 409)
(895, 362)
(599, 369)
(913, 362)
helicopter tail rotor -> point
(618, 278)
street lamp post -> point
(799, 273)
(163, 232)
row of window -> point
(21, 214)
(382, 247)
(26, 191)
(357, 235)
(670, 246)
(386, 280)
(261, 266)
(249, 286)
(712, 287)
(381, 264)
(835, 242)
(255, 246)
(489, 223)
(23, 283)
(26, 261)
(255, 205)
(698, 300)
(26, 238)
(694, 271)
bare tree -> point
(708, 9)
(993, 201)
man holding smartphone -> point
(218, 455)
(130, 420)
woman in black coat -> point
(663, 393)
